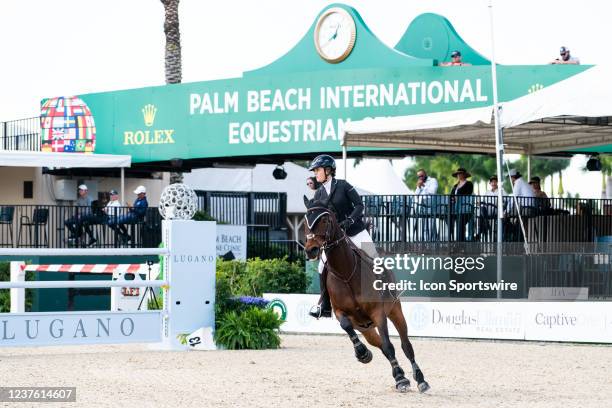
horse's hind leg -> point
(397, 317)
(401, 382)
(363, 354)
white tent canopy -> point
(374, 175)
(258, 178)
(65, 160)
(571, 114)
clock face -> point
(335, 35)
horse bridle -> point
(328, 230)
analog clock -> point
(335, 35)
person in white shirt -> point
(425, 185)
(425, 188)
(520, 187)
(522, 191)
(112, 209)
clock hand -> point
(333, 37)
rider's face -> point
(319, 173)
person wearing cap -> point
(534, 182)
(462, 206)
(543, 203)
(520, 187)
(111, 210)
(82, 217)
(136, 213)
(493, 187)
(455, 60)
(488, 207)
(566, 58)
(523, 191)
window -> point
(28, 189)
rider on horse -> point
(344, 201)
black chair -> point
(7, 214)
(40, 218)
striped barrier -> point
(122, 299)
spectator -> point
(462, 206)
(463, 185)
(537, 188)
(520, 187)
(312, 183)
(523, 191)
(566, 58)
(135, 214)
(543, 203)
(111, 210)
(82, 218)
(426, 187)
(455, 60)
(488, 209)
(493, 187)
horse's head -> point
(321, 227)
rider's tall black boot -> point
(323, 309)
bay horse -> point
(356, 304)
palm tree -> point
(173, 55)
(173, 42)
(543, 167)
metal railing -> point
(21, 134)
(242, 208)
(53, 226)
(444, 218)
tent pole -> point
(344, 160)
(529, 166)
(499, 152)
(123, 184)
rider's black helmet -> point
(322, 160)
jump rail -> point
(84, 284)
(82, 251)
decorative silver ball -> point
(178, 202)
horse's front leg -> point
(363, 354)
(402, 384)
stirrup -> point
(317, 312)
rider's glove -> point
(346, 223)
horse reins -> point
(334, 244)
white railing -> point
(84, 284)
(83, 251)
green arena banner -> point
(301, 102)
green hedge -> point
(240, 325)
(257, 276)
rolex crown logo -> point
(148, 112)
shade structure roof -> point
(63, 160)
(573, 114)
